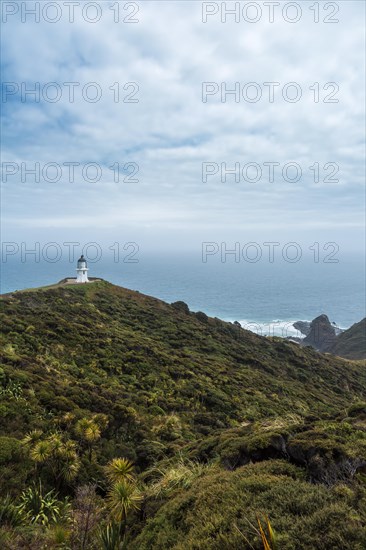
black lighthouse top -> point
(81, 261)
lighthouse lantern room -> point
(82, 271)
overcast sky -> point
(170, 131)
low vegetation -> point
(130, 423)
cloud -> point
(170, 132)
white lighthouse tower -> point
(82, 270)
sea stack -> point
(322, 334)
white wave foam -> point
(277, 327)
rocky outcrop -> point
(305, 326)
(322, 334)
(302, 326)
(181, 306)
(325, 336)
(351, 344)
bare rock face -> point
(322, 334)
(303, 327)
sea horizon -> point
(266, 299)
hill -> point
(323, 336)
(94, 372)
(352, 342)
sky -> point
(140, 103)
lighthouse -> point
(82, 271)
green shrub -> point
(36, 506)
(10, 450)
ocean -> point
(266, 298)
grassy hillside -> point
(352, 342)
(96, 372)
